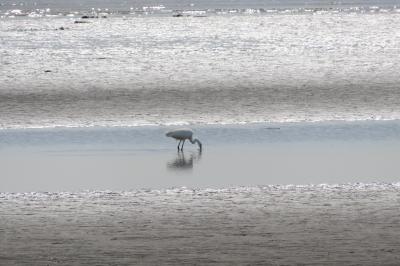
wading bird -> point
(182, 135)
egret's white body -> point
(182, 135)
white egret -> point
(182, 135)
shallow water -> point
(323, 225)
(353, 220)
(74, 159)
(84, 108)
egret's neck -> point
(193, 141)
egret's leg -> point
(183, 143)
(179, 143)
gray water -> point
(272, 225)
(76, 159)
(280, 92)
(220, 69)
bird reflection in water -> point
(184, 161)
